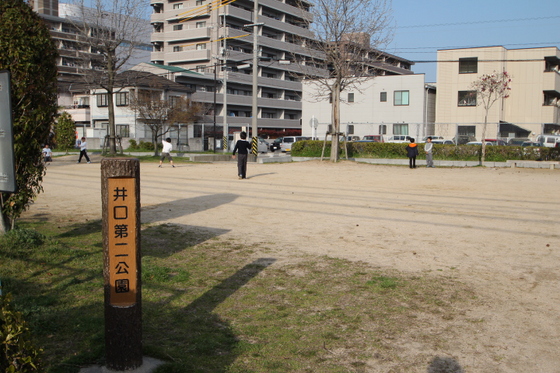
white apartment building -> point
(532, 108)
(384, 105)
(217, 40)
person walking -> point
(83, 150)
(412, 152)
(166, 152)
(428, 148)
(47, 153)
(242, 147)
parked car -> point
(531, 143)
(288, 141)
(518, 141)
(262, 145)
(399, 139)
(479, 143)
(495, 141)
(550, 141)
(443, 142)
(275, 145)
(373, 138)
(353, 138)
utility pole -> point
(255, 25)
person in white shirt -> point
(428, 148)
(166, 152)
(83, 150)
(47, 153)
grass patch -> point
(211, 305)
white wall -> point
(367, 112)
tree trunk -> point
(483, 155)
(111, 73)
(335, 120)
(155, 141)
(4, 223)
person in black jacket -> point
(412, 152)
(242, 147)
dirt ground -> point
(496, 230)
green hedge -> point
(313, 148)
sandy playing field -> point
(496, 230)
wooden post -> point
(120, 194)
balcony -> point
(285, 27)
(283, 7)
(188, 56)
(188, 35)
(242, 14)
(551, 81)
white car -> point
(288, 141)
(400, 139)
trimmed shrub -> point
(313, 148)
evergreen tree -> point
(65, 132)
(28, 52)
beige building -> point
(532, 108)
(210, 37)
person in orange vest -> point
(412, 152)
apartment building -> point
(216, 40)
(385, 105)
(533, 106)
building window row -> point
(121, 99)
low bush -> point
(17, 242)
(142, 146)
(17, 352)
(313, 148)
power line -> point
(549, 43)
(478, 22)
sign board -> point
(7, 159)
(122, 241)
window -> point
(200, 68)
(178, 6)
(350, 97)
(269, 115)
(400, 129)
(467, 98)
(177, 27)
(382, 129)
(123, 130)
(550, 99)
(401, 98)
(102, 100)
(469, 131)
(468, 65)
(383, 96)
(200, 2)
(177, 48)
(121, 99)
(201, 24)
(174, 101)
(201, 46)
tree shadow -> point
(181, 207)
(208, 342)
(163, 240)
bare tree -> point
(113, 31)
(489, 89)
(347, 35)
(160, 113)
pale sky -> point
(424, 26)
